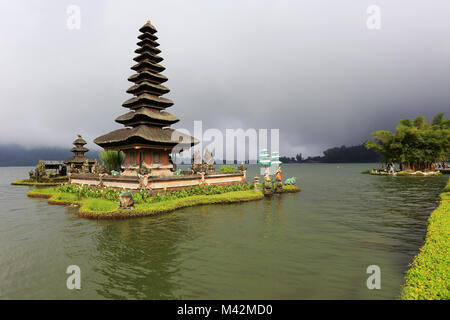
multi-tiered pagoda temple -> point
(79, 158)
(146, 141)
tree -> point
(415, 145)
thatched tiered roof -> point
(147, 117)
(79, 150)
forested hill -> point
(12, 155)
(341, 154)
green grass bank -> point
(429, 276)
(28, 182)
(100, 208)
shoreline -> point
(89, 207)
(429, 275)
(27, 182)
(374, 172)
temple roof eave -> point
(147, 35)
(148, 27)
(145, 85)
(148, 42)
(145, 134)
(78, 159)
(79, 149)
(148, 99)
(143, 113)
(147, 76)
(148, 56)
(154, 67)
(147, 48)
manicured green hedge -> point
(289, 188)
(102, 208)
(227, 169)
(144, 196)
(28, 182)
(147, 209)
(429, 276)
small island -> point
(137, 176)
(417, 148)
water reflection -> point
(315, 244)
(136, 257)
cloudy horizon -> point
(312, 69)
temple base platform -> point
(156, 182)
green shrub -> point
(290, 188)
(227, 169)
(43, 191)
(61, 178)
(69, 197)
(101, 205)
(112, 160)
(429, 276)
(144, 196)
(365, 172)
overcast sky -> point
(310, 68)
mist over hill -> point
(18, 156)
(13, 155)
(342, 154)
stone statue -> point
(278, 180)
(144, 170)
(40, 173)
(278, 175)
(267, 186)
(32, 175)
(85, 167)
(290, 181)
(115, 173)
(95, 167)
(126, 200)
(197, 162)
(208, 157)
(242, 167)
(197, 157)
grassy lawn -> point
(289, 188)
(42, 192)
(28, 182)
(98, 208)
(429, 276)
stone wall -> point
(156, 183)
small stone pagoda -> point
(78, 159)
(146, 139)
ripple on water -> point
(315, 244)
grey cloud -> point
(312, 68)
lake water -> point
(315, 244)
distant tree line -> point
(13, 155)
(343, 154)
